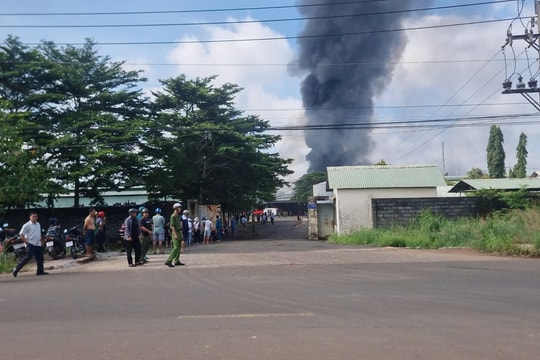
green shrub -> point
(514, 232)
(7, 262)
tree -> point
(90, 128)
(520, 169)
(83, 113)
(495, 153)
(23, 181)
(303, 187)
(206, 149)
(476, 173)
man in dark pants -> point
(131, 235)
(31, 235)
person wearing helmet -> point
(145, 224)
(131, 236)
(176, 234)
(158, 230)
(100, 231)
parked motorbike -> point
(14, 245)
(74, 241)
(54, 242)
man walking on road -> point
(176, 235)
(31, 235)
(131, 235)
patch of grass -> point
(514, 232)
(7, 262)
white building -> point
(354, 186)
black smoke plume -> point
(345, 72)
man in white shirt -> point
(31, 235)
(207, 230)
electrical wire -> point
(236, 22)
(297, 6)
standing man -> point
(100, 231)
(185, 230)
(207, 230)
(158, 227)
(89, 229)
(131, 235)
(31, 235)
(176, 235)
(219, 228)
(145, 224)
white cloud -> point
(260, 68)
(430, 74)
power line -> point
(111, 13)
(235, 22)
(165, 42)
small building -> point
(506, 184)
(355, 186)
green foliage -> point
(7, 262)
(520, 169)
(516, 232)
(492, 200)
(476, 173)
(82, 116)
(77, 121)
(303, 187)
(495, 153)
(22, 178)
(206, 148)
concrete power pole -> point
(533, 39)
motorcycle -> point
(74, 241)
(14, 245)
(54, 242)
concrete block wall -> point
(400, 211)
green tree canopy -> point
(23, 180)
(495, 153)
(83, 115)
(205, 149)
(303, 187)
(476, 173)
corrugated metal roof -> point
(496, 184)
(384, 176)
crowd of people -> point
(140, 231)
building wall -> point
(353, 206)
(387, 212)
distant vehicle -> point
(270, 211)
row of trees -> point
(75, 121)
(496, 157)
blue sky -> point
(448, 72)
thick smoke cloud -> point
(345, 72)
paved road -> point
(278, 296)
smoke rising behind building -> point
(348, 61)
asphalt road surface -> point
(277, 296)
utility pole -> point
(532, 39)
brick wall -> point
(387, 212)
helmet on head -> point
(144, 210)
(186, 212)
(158, 211)
(177, 205)
(101, 214)
(53, 221)
(141, 209)
(133, 210)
